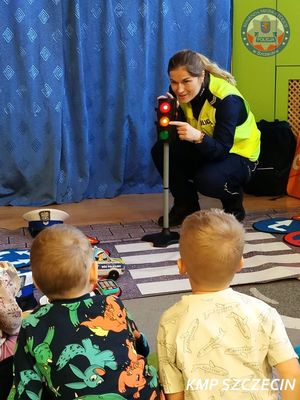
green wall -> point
(264, 80)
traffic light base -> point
(163, 239)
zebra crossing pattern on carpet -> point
(153, 271)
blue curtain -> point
(78, 87)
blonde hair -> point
(211, 246)
(196, 63)
(60, 258)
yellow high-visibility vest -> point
(246, 140)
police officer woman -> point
(218, 142)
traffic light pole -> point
(166, 186)
(165, 237)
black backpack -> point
(277, 151)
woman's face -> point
(184, 85)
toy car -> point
(108, 266)
(93, 240)
(107, 287)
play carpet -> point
(153, 271)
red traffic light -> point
(166, 112)
(164, 107)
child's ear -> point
(94, 273)
(181, 266)
(242, 263)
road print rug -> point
(153, 271)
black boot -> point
(235, 207)
(178, 213)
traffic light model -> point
(166, 112)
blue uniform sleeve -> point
(230, 113)
(141, 343)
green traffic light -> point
(163, 135)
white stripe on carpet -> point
(144, 246)
(151, 258)
(177, 285)
(151, 272)
(258, 236)
(259, 260)
(266, 275)
(250, 262)
(290, 322)
(265, 247)
(140, 246)
(256, 293)
(168, 270)
(271, 246)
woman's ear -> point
(94, 273)
(181, 266)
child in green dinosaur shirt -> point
(78, 346)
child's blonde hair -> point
(211, 246)
(196, 63)
(60, 258)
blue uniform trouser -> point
(189, 173)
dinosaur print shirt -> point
(82, 348)
(221, 346)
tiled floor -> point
(21, 238)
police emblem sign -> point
(265, 32)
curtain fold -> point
(79, 81)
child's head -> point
(211, 249)
(61, 259)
